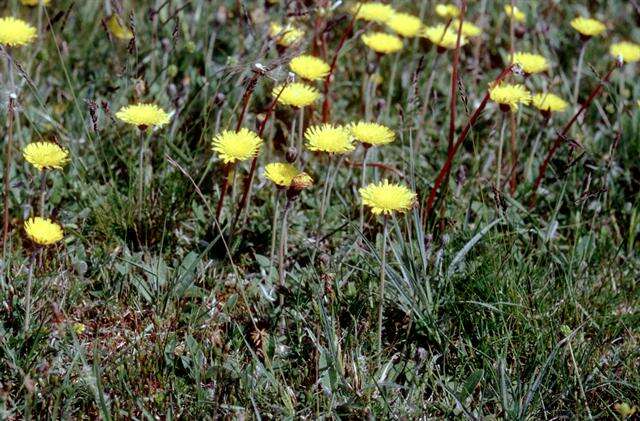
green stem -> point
(27, 310)
(383, 271)
(500, 146)
(276, 208)
(43, 188)
(576, 87)
(362, 184)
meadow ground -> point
(507, 287)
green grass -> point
(144, 310)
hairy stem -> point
(446, 168)
(383, 270)
(563, 134)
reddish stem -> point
(454, 80)
(563, 134)
(326, 104)
(246, 192)
(446, 168)
(223, 191)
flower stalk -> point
(383, 271)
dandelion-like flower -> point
(382, 43)
(373, 12)
(447, 11)
(15, 32)
(329, 138)
(405, 24)
(588, 27)
(627, 51)
(281, 173)
(119, 30)
(236, 146)
(143, 115)
(35, 2)
(548, 102)
(286, 35)
(517, 14)
(510, 96)
(371, 134)
(43, 231)
(45, 155)
(531, 63)
(468, 29)
(296, 94)
(386, 198)
(443, 37)
(309, 67)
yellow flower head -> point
(309, 67)
(447, 11)
(588, 27)
(517, 14)
(296, 94)
(627, 51)
(531, 63)
(143, 115)
(468, 29)
(119, 30)
(373, 12)
(381, 42)
(45, 155)
(372, 134)
(329, 138)
(281, 174)
(15, 32)
(405, 24)
(285, 36)
(510, 95)
(549, 102)
(43, 231)
(443, 38)
(34, 2)
(236, 146)
(385, 198)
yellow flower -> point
(328, 138)
(549, 102)
(441, 38)
(236, 146)
(627, 51)
(372, 134)
(373, 12)
(285, 36)
(516, 13)
(281, 174)
(34, 2)
(468, 29)
(510, 95)
(143, 115)
(45, 155)
(385, 198)
(15, 32)
(531, 63)
(405, 24)
(381, 42)
(301, 181)
(588, 27)
(296, 94)
(309, 67)
(447, 11)
(43, 231)
(119, 30)
(79, 328)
